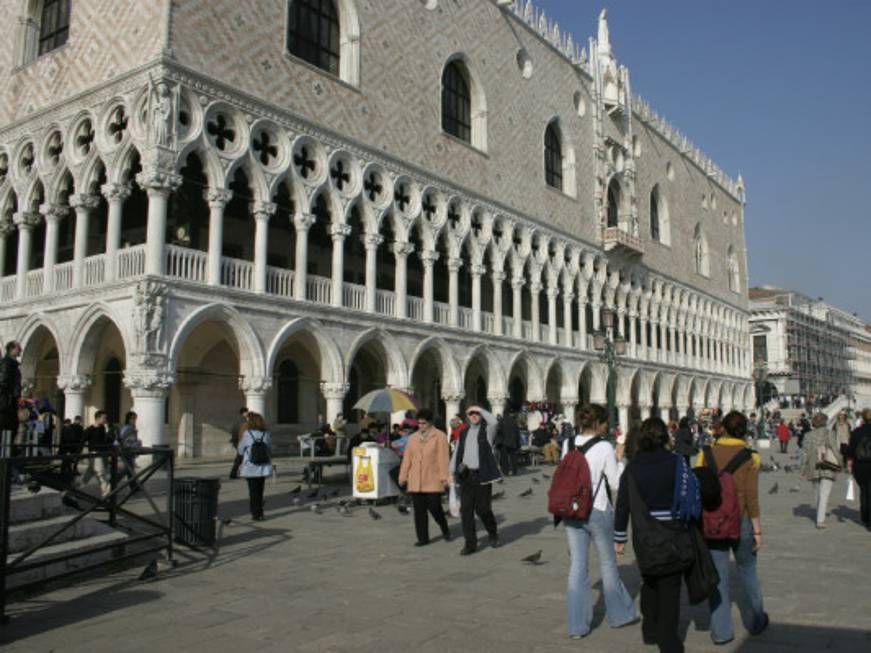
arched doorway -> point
(585, 383)
(112, 390)
(40, 365)
(476, 382)
(296, 401)
(553, 387)
(103, 357)
(366, 372)
(287, 388)
(426, 382)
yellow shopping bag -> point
(365, 481)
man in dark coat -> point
(859, 464)
(10, 394)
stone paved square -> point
(327, 583)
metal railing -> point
(150, 532)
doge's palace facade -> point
(286, 203)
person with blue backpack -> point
(731, 524)
(660, 493)
(255, 447)
(580, 498)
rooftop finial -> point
(604, 36)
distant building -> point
(805, 347)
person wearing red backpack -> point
(602, 463)
(734, 527)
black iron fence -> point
(146, 530)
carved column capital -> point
(477, 270)
(255, 385)
(303, 221)
(84, 201)
(53, 212)
(454, 397)
(334, 390)
(402, 248)
(154, 383)
(218, 197)
(158, 182)
(454, 264)
(372, 241)
(26, 219)
(115, 192)
(340, 231)
(264, 210)
(74, 383)
(428, 257)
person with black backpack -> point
(255, 448)
(731, 524)
(580, 497)
(660, 493)
(859, 464)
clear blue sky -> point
(779, 90)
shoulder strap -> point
(589, 445)
(739, 459)
(710, 461)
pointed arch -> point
(28, 331)
(495, 372)
(452, 381)
(250, 350)
(80, 348)
(535, 381)
(333, 369)
(397, 372)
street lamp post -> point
(610, 348)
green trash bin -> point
(195, 508)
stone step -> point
(102, 535)
(26, 506)
(24, 535)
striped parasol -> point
(386, 400)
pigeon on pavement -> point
(526, 493)
(402, 508)
(373, 514)
(535, 480)
(773, 489)
(150, 571)
(316, 509)
(497, 495)
(533, 559)
(296, 490)
(546, 475)
(313, 493)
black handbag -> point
(702, 578)
(661, 548)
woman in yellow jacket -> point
(424, 473)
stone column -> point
(452, 405)
(26, 221)
(5, 229)
(53, 215)
(597, 315)
(569, 408)
(671, 344)
(646, 410)
(334, 394)
(75, 388)
(159, 186)
(477, 271)
(498, 277)
(302, 222)
(552, 294)
(568, 297)
(664, 414)
(401, 250)
(262, 212)
(255, 389)
(633, 341)
(682, 410)
(642, 341)
(454, 265)
(623, 417)
(339, 232)
(428, 259)
(149, 389)
(115, 195)
(620, 323)
(83, 205)
(582, 319)
(372, 241)
(517, 309)
(217, 199)
(535, 289)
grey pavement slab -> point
(327, 583)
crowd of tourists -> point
(689, 490)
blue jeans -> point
(579, 600)
(750, 604)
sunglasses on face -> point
(474, 412)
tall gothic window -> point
(313, 33)
(54, 25)
(700, 247)
(613, 204)
(553, 157)
(456, 102)
(654, 214)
